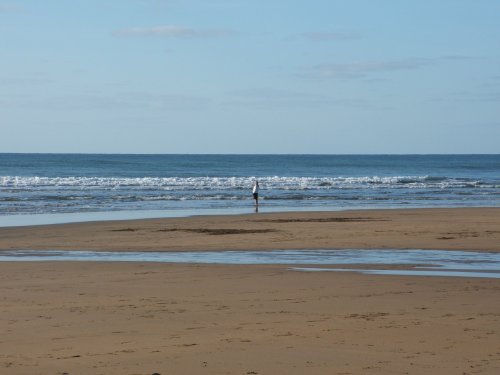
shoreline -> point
(471, 228)
(28, 220)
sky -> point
(250, 76)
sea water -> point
(87, 185)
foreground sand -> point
(457, 228)
(132, 318)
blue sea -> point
(41, 184)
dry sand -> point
(138, 318)
(132, 318)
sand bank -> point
(454, 228)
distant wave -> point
(224, 183)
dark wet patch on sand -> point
(218, 232)
(321, 220)
(211, 232)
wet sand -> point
(456, 229)
(145, 318)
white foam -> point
(224, 183)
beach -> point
(249, 188)
(145, 318)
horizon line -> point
(242, 154)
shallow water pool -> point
(418, 262)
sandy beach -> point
(133, 318)
(144, 318)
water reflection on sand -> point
(389, 262)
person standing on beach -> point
(255, 192)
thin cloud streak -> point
(271, 99)
(363, 69)
(273, 94)
(328, 36)
(459, 58)
(358, 70)
(10, 8)
(173, 31)
(109, 102)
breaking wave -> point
(224, 183)
(23, 195)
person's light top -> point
(255, 188)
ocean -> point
(40, 184)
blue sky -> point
(250, 76)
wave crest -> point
(223, 183)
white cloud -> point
(173, 31)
